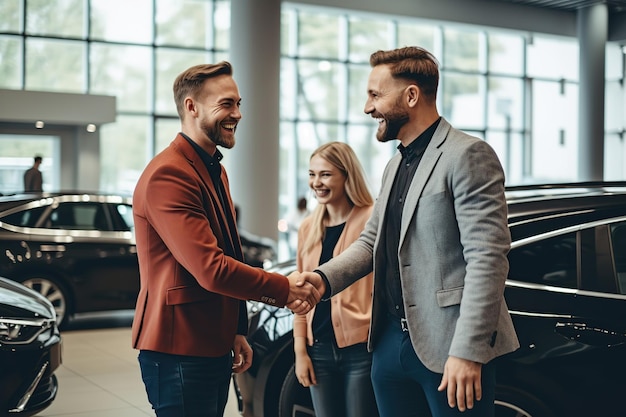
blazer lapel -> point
(423, 173)
(196, 162)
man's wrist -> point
(327, 293)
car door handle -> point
(590, 335)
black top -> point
(411, 157)
(322, 323)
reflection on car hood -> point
(18, 301)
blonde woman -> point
(330, 342)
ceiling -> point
(614, 6)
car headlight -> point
(22, 331)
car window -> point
(78, 216)
(126, 213)
(25, 218)
(551, 261)
(618, 244)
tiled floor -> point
(100, 376)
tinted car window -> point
(618, 243)
(549, 262)
(26, 218)
(126, 213)
(78, 216)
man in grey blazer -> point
(437, 242)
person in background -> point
(437, 242)
(33, 179)
(330, 342)
(190, 318)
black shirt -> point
(411, 157)
(322, 325)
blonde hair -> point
(342, 157)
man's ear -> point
(190, 106)
(412, 95)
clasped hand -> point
(305, 291)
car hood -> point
(18, 301)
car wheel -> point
(295, 400)
(55, 293)
(513, 402)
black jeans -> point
(186, 386)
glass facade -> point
(518, 91)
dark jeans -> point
(404, 387)
(344, 385)
(186, 386)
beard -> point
(393, 121)
(218, 135)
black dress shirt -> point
(411, 157)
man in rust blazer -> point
(190, 320)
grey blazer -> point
(454, 239)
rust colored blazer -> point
(191, 293)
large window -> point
(130, 50)
(518, 91)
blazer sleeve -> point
(481, 213)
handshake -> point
(305, 290)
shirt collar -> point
(418, 145)
(212, 162)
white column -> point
(253, 163)
(592, 35)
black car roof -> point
(537, 208)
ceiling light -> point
(39, 124)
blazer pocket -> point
(185, 295)
(449, 297)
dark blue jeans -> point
(186, 386)
(404, 387)
(344, 385)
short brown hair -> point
(413, 64)
(190, 81)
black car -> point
(566, 292)
(78, 249)
(30, 350)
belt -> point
(399, 321)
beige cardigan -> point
(351, 309)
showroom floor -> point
(100, 376)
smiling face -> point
(218, 110)
(327, 181)
(385, 103)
